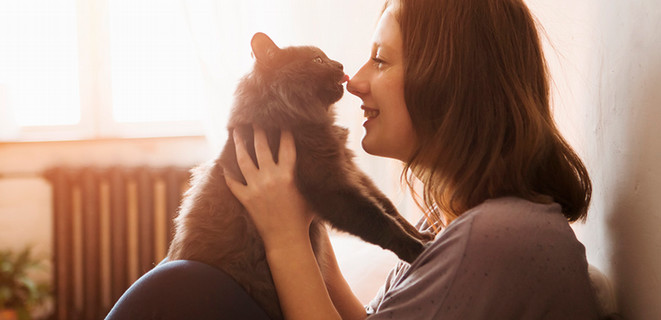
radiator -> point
(110, 226)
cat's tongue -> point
(345, 78)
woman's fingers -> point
(243, 159)
(287, 151)
(235, 186)
(262, 149)
(267, 186)
(266, 168)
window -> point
(39, 62)
(95, 69)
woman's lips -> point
(369, 113)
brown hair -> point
(476, 88)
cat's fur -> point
(290, 88)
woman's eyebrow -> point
(381, 47)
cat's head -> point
(301, 73)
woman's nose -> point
(358, 85)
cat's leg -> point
(390, 208)
(325, 179)
(348, 209)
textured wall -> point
(605, 57)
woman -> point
(458, 91)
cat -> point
(290, 88)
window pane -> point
(155, 71)
(39, 61)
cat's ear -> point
(263, 48)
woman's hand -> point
(271, 196)
(282, 219)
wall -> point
(605, 57)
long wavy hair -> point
(477, 90)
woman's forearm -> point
(345, 301)
(299, 283)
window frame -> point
(95, 91)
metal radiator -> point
(110, 227)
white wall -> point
(606, 62)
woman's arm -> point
(282, 219)
(345, 301)
(299, 283)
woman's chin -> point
(371, 148)
(367, 146)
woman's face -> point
(380, 85)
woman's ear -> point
(263, 48)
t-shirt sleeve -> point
(393, 277)
(418, 291)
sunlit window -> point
(155, 74)
(39, 62)
(97, 68)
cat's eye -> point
(318, 60)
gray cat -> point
(291, 88)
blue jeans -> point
(184, 289)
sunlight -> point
(39, 62)
(155, 70)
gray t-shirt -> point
(507, 258)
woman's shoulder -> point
(515, 211)
(514, 256)
(507, 245)
(510, 217)
(507, 236)
(510, 225)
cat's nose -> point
(338, 65)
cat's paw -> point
(412, 252)
(427, 236)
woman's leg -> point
(184, 289)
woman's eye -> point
(318, 60)
(378, 62)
